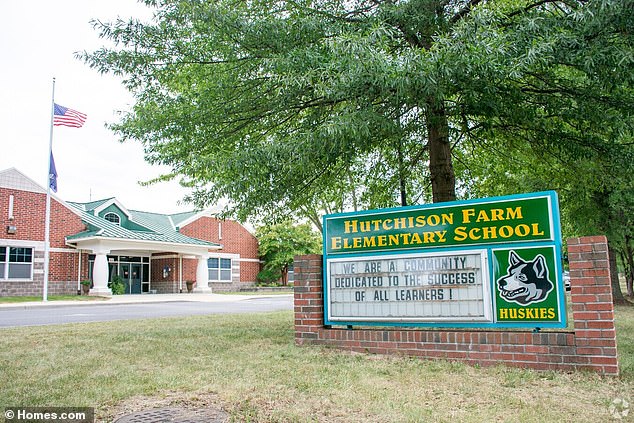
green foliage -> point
(309, 106)
(279, 243)
(596, 192)
(269, 277)
(117, 285)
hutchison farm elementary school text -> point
(434, 229)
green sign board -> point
(488, 262)
(503, 221)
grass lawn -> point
(249, 365)
(51, 298)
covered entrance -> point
(111, 255)
(133, 270)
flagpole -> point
(47, 225)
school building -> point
(151, 252)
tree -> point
(596, 194)
(564, 124)
(283, 106)
(280, 243)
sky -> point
(38, 41)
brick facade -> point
(591, 345)
(165, 284)
(28, 202)
(29, 210)
(237, 243)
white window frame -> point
(219, 274)
(7, 263)
(118, 222)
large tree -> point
(279, 243)
(294, 105)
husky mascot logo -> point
(526, 282)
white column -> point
(202, 276)
(100, 275)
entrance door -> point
(131, 275)
(124, 272)
(135, 278)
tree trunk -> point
(443, 179)
(285, 275)
(628, 262)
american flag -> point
(63, 116)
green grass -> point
(250, 366)
(625, 342)
(51, 298)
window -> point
(219, 269)
(113, 217)
(16, 263)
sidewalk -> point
(142, 298)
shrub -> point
(116, 285)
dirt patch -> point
(170, 406)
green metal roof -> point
(159, 227)
(179, 218)
(91, 205)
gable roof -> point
(111, 202)
(14, 179)
(90, 206)
(179, 218)
(159, 227)
(190, 217)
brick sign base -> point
(591, 345)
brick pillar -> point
(592, 307)
(309, 299)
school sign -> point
(492, 262)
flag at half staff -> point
(63, 116)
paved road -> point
(58, 314)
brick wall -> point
(237, 271)
(29, 211)
(189, 269)
(168, 285)
(591, 345)
(235, 240)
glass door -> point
(124, 272)
(135, 278)
(131, 275)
